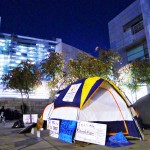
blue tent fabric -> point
(117, 140)
(76, 102)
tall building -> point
(129, 32)
(16, 48)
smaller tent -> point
(99, 101)
(142, 106)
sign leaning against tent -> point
(91, 132)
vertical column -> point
(145, 7)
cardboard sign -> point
(67, 130)
(91, 132)
(54, 128)
(26, 118)
(71, 93)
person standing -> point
(2, 114)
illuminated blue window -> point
(137, 52)
(14, 49)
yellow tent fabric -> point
(89, 82)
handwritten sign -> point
(71, 93)
(26, 118)
(54, 128)
(91, 132)
(67, 130)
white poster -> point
(71, 92)
(26, 118)
(54, 128)
(91, 132)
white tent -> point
(99, 101)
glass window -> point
(133, 23)
(135, 50)
(138, 52)
(136, 55)
(24, 54)
(137, 27)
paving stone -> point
(10, 139)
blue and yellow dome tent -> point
(100, 101)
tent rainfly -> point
(142, 106)
(96, 100)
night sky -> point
(80, 23)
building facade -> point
(129, 32)
(16, 48)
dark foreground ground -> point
(10, 139)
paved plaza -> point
(10, 139)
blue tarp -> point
(117, 140)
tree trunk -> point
(22, 106)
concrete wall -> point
(15, 104)
(69, 51)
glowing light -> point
(18, 53)
(132, 96)
(42, 90)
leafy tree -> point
(52, 65)
(52, 69)
(84, 66)
(141, 71)
(110, 60)
(135, 74)
(13, 80)
(23, 78)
